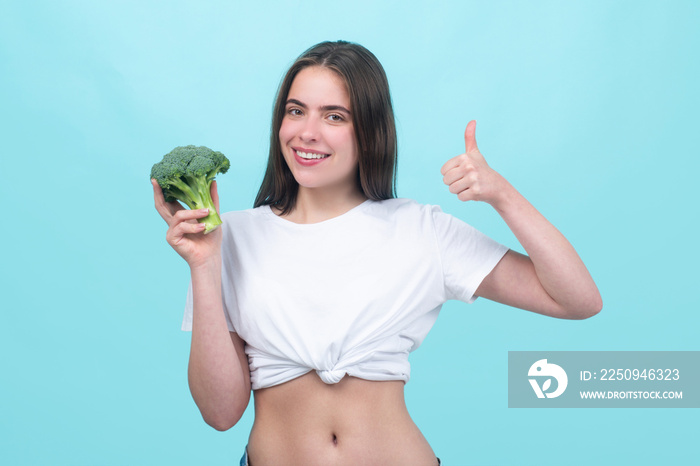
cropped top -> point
(350, 295)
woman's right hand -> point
(185, 233)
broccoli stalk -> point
(186, 173)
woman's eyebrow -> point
(325, 108)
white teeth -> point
(308, 155)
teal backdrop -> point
(590, 108)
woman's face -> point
(317, 137)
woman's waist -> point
(303, 448)
(350, 421)
(309, 400)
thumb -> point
(470, 137)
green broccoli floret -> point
(186, 173)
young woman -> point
(314, 298)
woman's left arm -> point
(551, 280)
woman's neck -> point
(314, 205)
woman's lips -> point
(308, 158)
(311, 155)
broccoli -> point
(186, 173)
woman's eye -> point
(294, 111)
(335, 117)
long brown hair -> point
(372, 118)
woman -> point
(315, 297)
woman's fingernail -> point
(204, 211)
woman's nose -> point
(310, 130)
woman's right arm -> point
(218, 372)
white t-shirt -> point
(351, 295)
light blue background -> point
(590, 108)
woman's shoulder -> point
(252, 215)
(403, 212)
(403, 206)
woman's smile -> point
(308, 155)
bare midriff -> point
(308, 422)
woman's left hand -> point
(470, 177)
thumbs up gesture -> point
(470, 177)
